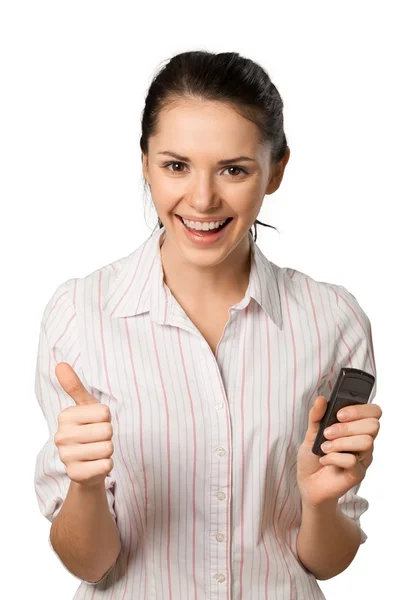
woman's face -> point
(187, 178)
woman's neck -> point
(224, 283)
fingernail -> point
(326, 445)
(342, 414)
(328, 431)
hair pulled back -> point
(225, 77)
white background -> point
(73, 81)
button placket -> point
(218, 551)
(219, 524)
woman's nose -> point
(203, 194)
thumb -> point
(71, 384)
(314, 418)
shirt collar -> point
(139, 285)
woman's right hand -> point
(84, 434)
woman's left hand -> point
(327, 478)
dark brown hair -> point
(225, 77)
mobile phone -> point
(352, 386)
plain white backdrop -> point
(73, 79)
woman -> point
(203, 369)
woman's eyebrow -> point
(220, 162)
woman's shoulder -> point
(112, 270)
(116, 276)
(95, 284)
(306, 290)
(295, 278)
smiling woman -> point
(209, 358)
(195, 80)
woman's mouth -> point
(203, 237)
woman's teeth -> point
(203, 226)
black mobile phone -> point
(352, 386)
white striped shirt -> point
(203, 489)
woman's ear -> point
(145, 167)
(277, 173)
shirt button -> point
(221, 496)
(220, 405)
(221, 452)
(220, 537)
(220, 577)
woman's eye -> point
(240, 169)
(167, 165)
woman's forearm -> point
(84, 534)
(328, 540)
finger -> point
(369, 426)
(83, 452)
(71, 383)
(342, 460)
(354, 443)
(93, 432)
(359, 411)
(90, 415)
(314, 417)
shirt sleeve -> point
(58, 342)
(354, 348)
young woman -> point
(203, 370)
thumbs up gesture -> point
(84, 434)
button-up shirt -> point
(203, 489)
